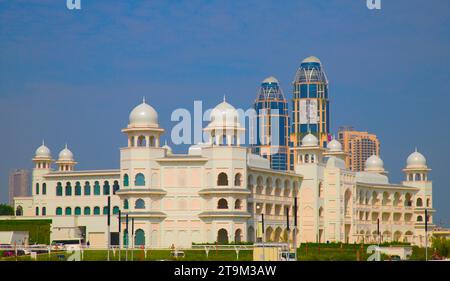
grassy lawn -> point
(335, 252)
(138, 255)
(348, 252)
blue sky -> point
(73, 76)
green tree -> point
(6, 210)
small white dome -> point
(334, 145)
(416, 160)
(167, 148)
(65, 155)
(143, 115)
(271, 79)
(310, 140)
(43, 152)
(224, 115)
(311, 59)
(374, 163)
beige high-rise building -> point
(359, 146)
(18, 184)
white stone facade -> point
(219, 191)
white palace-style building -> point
(218, 191)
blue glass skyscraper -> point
(272, 139)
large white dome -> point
(334, 146)
(43, 152)
(310, 140)
(374, 163)
(224, 115)
(143, 115)
(65, 155)
(416, 160)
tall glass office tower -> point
(272, 138)
(311, 106)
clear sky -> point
(73, 76)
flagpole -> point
(109, 222)
(426, 235)
(120, 226)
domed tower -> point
(310, 152)
(43, 161)
(65, 162)
(334, 148)
(43, 158)
(310, 112)
(416, 173)
(224, 128)
(272, 125)
(143, 128)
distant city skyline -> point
(19, 184)
(72, 76)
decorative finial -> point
(224, 98)
(143, 99)
(416, 148)
(43, 142)
(165, 142)
(66, 146)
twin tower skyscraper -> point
(277, 133)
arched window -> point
(139, 180)
(141, 141)
(125, 204)
(19, 211)
(96, 188)
(419, 218)
(68, 189)
(96, 210)
(238, 179)
(419, 202)
(37, 211)
(105, 210)
(238, 236)
(139, 237)
(320, 212)
(77, 189)
(139, 204)
(87, 188)
(44, 211)
(106, 188)
(222, 236)
(77, 211)
(417, 177)
(306, 158)
(59, 189)
(68, 211)
(238, 204)
(115, 210)
(222, 179)
(115, 187)
(87, 211)
(428, 202)
(44, 188)
(126, 180)
(222, 204)
(59, 211)
(37, 188)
